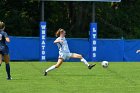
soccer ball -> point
(105, 64)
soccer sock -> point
(0, 65)
(85, 62)
(50, 68)
(8, 70)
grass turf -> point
(71, 78)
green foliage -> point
(22, 18)
(123, 22)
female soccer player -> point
(4, 50)
(64, 52)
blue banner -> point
(116, 50)
(43, 41)
(93, 41)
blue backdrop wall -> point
(27, 48)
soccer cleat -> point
(9, 78)
(91, 66)
(45, 74)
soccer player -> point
(138, 51)
(4, 50)
(64, 52)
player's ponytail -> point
(57, 34)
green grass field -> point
(71, 78)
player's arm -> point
(58, 41)
(6, 37)
(138, 51)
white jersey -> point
(63, 46)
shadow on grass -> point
(73, 75)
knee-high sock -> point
(8, 70)
(84, 61)
(50, 68)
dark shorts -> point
(4, 50)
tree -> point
(22, 18)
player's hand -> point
(137, 51)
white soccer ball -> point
(105, 64)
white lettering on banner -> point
(43, 47)
(94, 30)
(43, 57)
(43, 42)
(94, 55)
(94, 42)
(94, 49)
(94, 36)
(43, 32)
(43, 36)
(43, 52)
(43, 27)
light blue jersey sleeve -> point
(5, 34)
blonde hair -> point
(60, 30)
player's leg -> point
(7, 59)
(57, 65)
(0, 59)
(75, 55)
